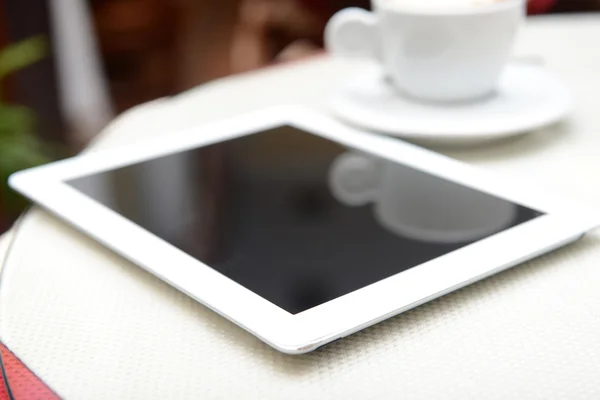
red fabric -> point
(540, 6)
(23, 383)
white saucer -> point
(527, 98)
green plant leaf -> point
(15, 121)
(17, 154)
(22, 54)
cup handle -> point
(354, 179)
(352, 32)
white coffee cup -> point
(440, 50)
(413, 204)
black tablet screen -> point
(298, 219)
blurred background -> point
(67, 67)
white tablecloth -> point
(94, 326)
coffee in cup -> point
(441, 5)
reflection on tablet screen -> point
(296, 218)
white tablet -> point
(298, 228)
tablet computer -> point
(298, 228)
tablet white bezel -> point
(312, 328)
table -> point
(94, 326)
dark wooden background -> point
(150, 48)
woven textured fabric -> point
(23, 383)
(94, 326)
